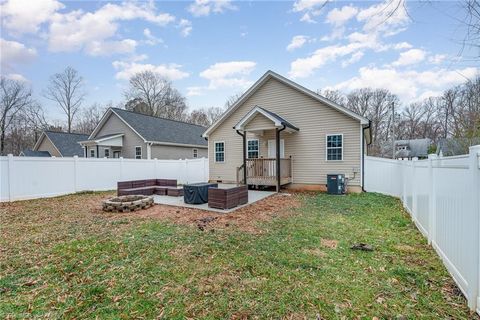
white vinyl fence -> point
(442, 196)
(34, 177)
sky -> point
(211, 50)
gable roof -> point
(33, 153)
(273, 75)
(157, 130)
(275, 118)
(416, 147)
(66, 143)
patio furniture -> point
(175, 191)
(197, 193)
(227, 198)
(145, 187)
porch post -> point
(86, 152)
(245, 157)
(98, 156)
(277, 141)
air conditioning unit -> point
(336, 184)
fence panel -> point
(31, 177)
(442, 196)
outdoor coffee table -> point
(197, 193)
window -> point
(252, 148)
(220, 151)
(92, 153)
(106, 153)
(138, 152)
(195, 153)
(335, 147)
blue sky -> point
(213, 49)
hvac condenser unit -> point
(336, 184)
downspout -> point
(244, 136)
(363, 154)
(278, 156)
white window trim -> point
(258, 147)
(215, 152)
(195, 153)
(326, 146)
(106, 149)
(141, 152)
(94, 153)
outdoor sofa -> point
(227, 198)
(149, 187)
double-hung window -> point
(334, 147)
(107, 153)
(252, 148)
(138, 152)
(195, 153)
(92, 153)
(220, 151)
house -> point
(455, 146)
(413, 148)
(279, 133)
(127, 134)
(57, 144)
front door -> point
(116, 154)
(272, 148)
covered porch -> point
(107, 146)
(264, 159)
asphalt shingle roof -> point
(33, 153)
(282, 120)
(163, 130)
(67, 143)
(416, 147)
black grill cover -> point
(197, 193)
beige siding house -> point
(127, 134)
(314, 137)
(57, 144)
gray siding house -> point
(279, 133)
(57, 144)
(127, 134)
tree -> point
(334, 95)
(89, 118)
(199, 117)
(65, 89)
(15, 97)
(214, 113)
(232, 99)
(151, 94)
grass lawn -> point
(64, 258)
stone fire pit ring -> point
(127, 203)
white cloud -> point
(297, 42)
(16, 77)
(388, 17)
(26, 16)
(232, 74)
(402, 45)
(126, 69)
(438, 58)
(408, 85)
(339, 17)
(310, 9)
(93, 31)
(410, 57)
(186, 27)
(151, 39)
(206, 7)
(14, 53)
(354, 58)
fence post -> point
(404, 189)
(474, 167)
(11, 174)
(75, 173)
(431, 199)
(205, 169)
(414, 190)
(185, 171)
(121, 169)
(155, 167)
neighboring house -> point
(32, 153)
(313, 135)
(414, 148)
(127, 134)
(57, 144)
(455, 146)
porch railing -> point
(263, 171)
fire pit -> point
(127, 203)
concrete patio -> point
(253, 196)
